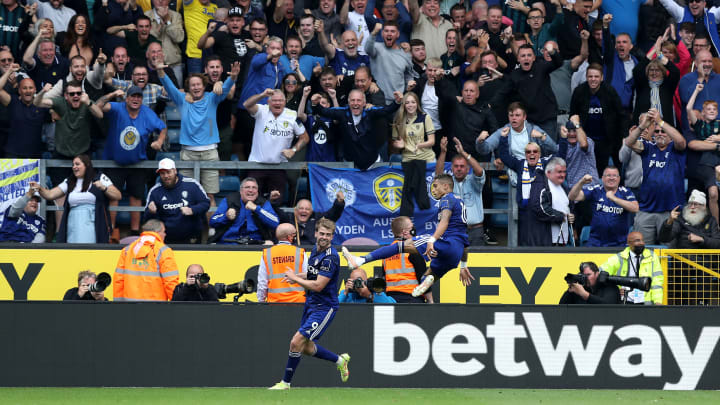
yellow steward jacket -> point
(277, 260)
(146, 271)
(399, 274)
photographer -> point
(355, 294)
(196, 287)
(82, 292)
(593, 291)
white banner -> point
(15, 178)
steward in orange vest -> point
(146, 270)
(403, 271)
(275, 262)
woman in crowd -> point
(85, 212)
(656, 82)
(292, 88)
(414, 134)
(77, 39)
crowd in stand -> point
(603, 112)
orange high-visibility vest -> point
(146, 271)
(400, 273)
(278, 259)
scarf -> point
(655, 95)
(527, 181)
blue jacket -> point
(614, 70)
(358, 140)
(354, 298)
(244, 224)
(187, 192)
(198, 125)
(263, 75)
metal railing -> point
(197, 165)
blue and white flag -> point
(15, 178)
(372, 201)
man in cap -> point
(130, 125)
(180, 202)
(694, 228)
(21, 223)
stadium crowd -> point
(604, 112)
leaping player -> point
(446, 248)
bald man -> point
(362, 294)
(24, 135)
(636, 261)
(304, 218)
(275, 262)
(193, 289)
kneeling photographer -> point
(90, 287)
(196, 287)
(588, 288)
(358, 289)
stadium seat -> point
(360, 241)
(302, 187)
(173, 135)
(584, 235)
(229, 183)
(396, 158)
(172, 155)
(172, 113)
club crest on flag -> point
(388, 190)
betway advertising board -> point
(442, 345)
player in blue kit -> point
(445, 248)
(321, 304)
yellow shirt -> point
(416, 132)
(197, 16)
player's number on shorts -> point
(464, 212)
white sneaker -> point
(353, 261)
(424, 286)
(281, 386)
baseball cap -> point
(134, 90)
(235, 11)
(165, 164)
(570, 125)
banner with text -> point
(15, 177)
(372, 200)
(500, 278)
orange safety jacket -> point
(146, 271)
(399, 273)
(278, 259)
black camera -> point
(375, 284)
(202, 278)
(485, 72)
(241, 287)
(638, 283)
(102, 281)
(576, 278)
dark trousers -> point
(269, 180)
(415, 186)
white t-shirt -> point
(430, 105)
(77, 196)
(272, 135)
(356, 22)
(561, 203)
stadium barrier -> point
(464, 346)
(503, 276)
(692, 276)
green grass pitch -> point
(346, 396)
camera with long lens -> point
(375, 284)
(638, 283)
(576, 278)
(102, 281)
(241, 287)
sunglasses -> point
(527, 152)
(74, 93)
(290, 81)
